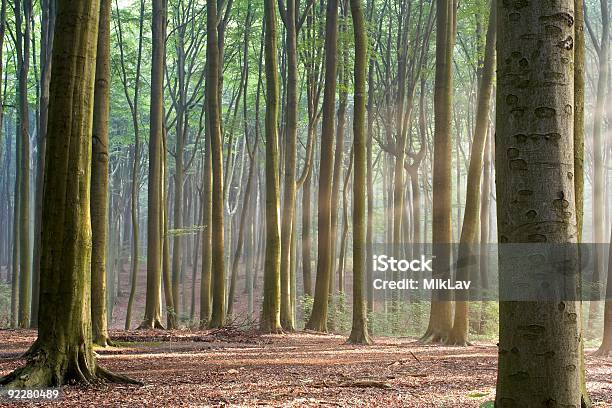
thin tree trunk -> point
(598, 158)
(469, 230)
(318, 317)
(216, 151)
(134, 200)
(359, 331)
(47, 27)
(23, 11)
(99, 180)
(152, 317)
(440, 318)
(270, 316)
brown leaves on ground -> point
(244, 369)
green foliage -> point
(485, 319)
(339, 314)
(5, 305)
(305, 301)
(409, 319)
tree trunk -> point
(337, 178)
(599, 147)
(152, 317)
(171, 315)
(134, 197)
(318, 317)
(359, 332)
(536, 198)
(469, 230)
(306, 234)
(15, 260)
(251, 174)
(63, 351)
(23, 128)
(99, 180)
(270, 316)
(205, 279)
(441, 308)
(605, 350)
(288, 214)
(47, 27)
(216, 151)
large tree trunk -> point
(63, 351)
(318, 318)
(441, 308)
(152, 317)
(467, 258)
(359, 331)
(270, 316)
(536, 199)
(99, 180)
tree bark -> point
(605, 349)
(318, 317)
(467, 258)
(152, 317)
(63, 351)
(99, 180)
(47, 27)
(599, 147)
(536, 198)
(216, 150)
(441, 308)
(270, 316)
(359, 331)
(23, 11)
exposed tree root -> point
(286, 329)
(44, 370)
(359, 337)
(318, 327)
(432, 336)
(271, 330)
(150, 324)
(603, 352)
(103, 341)
(108, 376)
(457, 342)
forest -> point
(353, 203)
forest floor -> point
(244, 369)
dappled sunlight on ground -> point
(200, 368)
